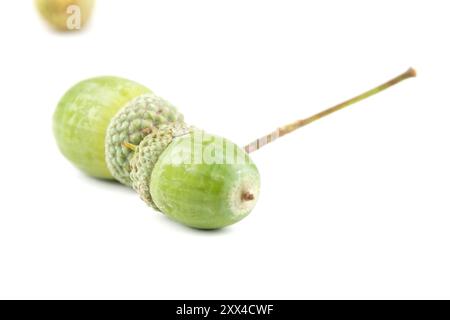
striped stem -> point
(284, 130)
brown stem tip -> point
(247, 196)
(412, 72)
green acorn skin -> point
(204, 193)
(83, 115)
(142, 116)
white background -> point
(354, 206)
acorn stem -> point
(284, 130)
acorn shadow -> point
(116, 185)
(181, 227)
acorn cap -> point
(147, 154)
(142, 116)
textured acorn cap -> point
(147, 154)
(139, 118)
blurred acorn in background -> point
(66, 15)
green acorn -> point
(131, 124)
(195, 178)
(96, 116)
(83, 115)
